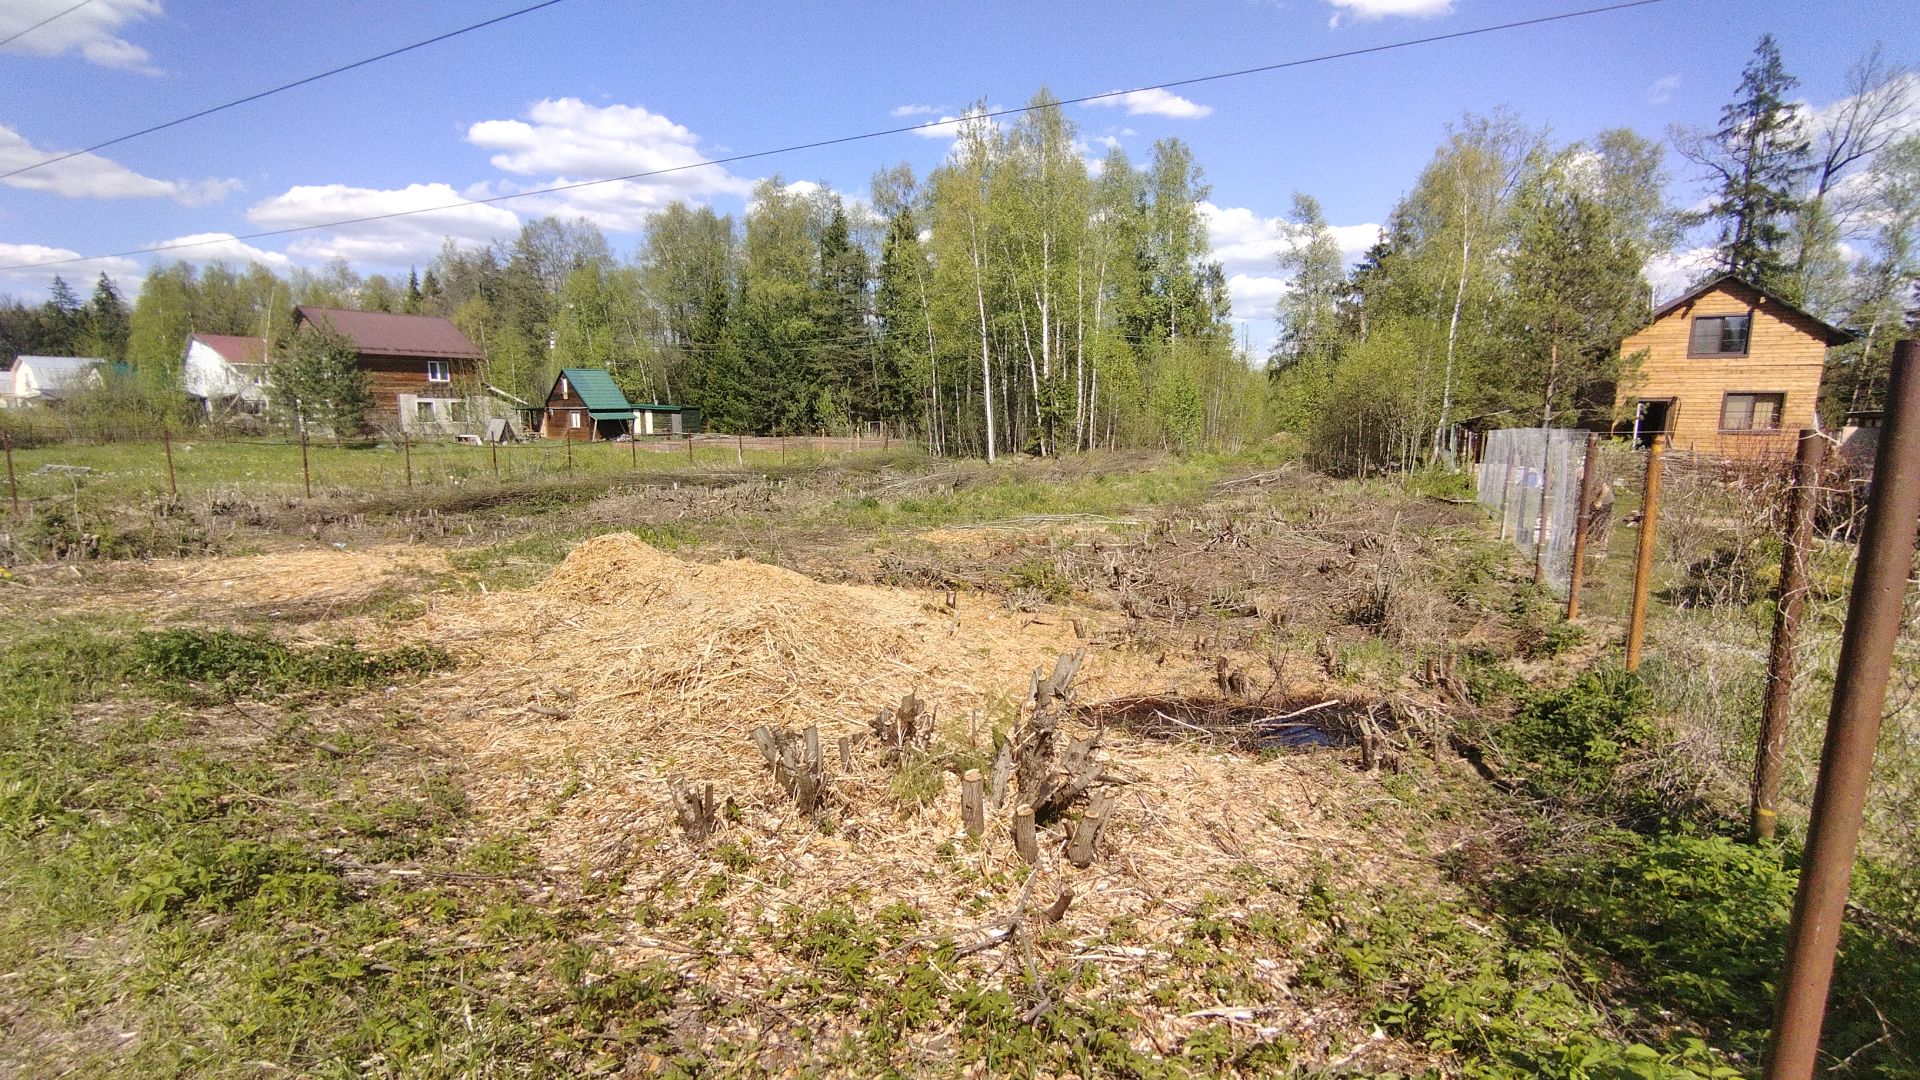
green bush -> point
(1570, 742)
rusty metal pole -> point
(689, 447)
(739, 449)
(1643, 565)
(569, 442)
(1789, 603)
(494, 446)
(166, 444)
(13, 482)
(1582, 522)
(406, 450)
(633, 449)
(1874, 615)
(306, 471)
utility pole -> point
(1789, 603)
(1874, 614)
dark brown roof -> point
(1833, 334)
(379, 333)
(236, 348)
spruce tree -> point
(1757, 158)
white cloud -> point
(1670, 274)
(1660, 91)
(398, 241)
(912, 110)
(221, 247)
(1368, 10)
(1156, 103)
(90, 176)
(949, 127)
(1245, 240)
(91, 30)
(566, 140)
(32, 277)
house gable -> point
(1740, 402)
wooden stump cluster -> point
(1051, 777)
(694, 810)
(796, 764)
(907, 726)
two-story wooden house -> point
(423, 370)
(1728, 369)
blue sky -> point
(591, 88)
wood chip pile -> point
(582, 705)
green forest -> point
(1022, 298)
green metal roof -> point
(596, 388)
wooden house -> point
(586, 404)
(424, 371)
(1728, 369)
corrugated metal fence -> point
(1529, 479)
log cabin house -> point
(586, 404)
(424, 371)
(1728, 369)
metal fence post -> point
(569, 442)
(1542, 527)
(1643, 565)
(306, 471)
(1583, 522)
(406, 450)
(1874, 613)
(166, 444)
(13, 482)
(494, 445)
(689, 447)
(1789, 603)
(739, 449)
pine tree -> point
(318, 379)
(64, 330)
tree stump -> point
(795, 761)
(694, 811)
(973, 806)
(908, 726)
(1024, 840)
(1087, 830)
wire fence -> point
(1529, 479)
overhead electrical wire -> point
(390, 53)
(972, 117)
(61, 14)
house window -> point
(457, 411)
(439, 371)
(573, 419)
(423, 411)
(1752, 412)
(1720, 335)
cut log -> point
(1086, 831)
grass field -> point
(377, 782)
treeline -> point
(1022, 298)
(1507, 276)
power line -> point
(265, 93)
(844, 139)
(18, 34)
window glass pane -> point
(1733, 334)
(1766, 411)
(1706, 336)
(1737, 413)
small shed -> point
(586, 404)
